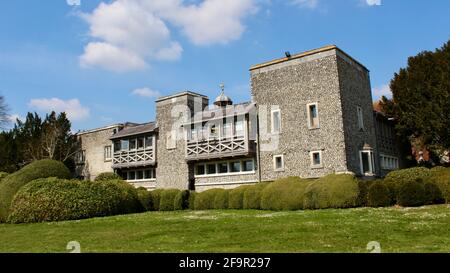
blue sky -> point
(106, 62)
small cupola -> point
(223, 100)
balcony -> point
(134, 158)
(218, 148)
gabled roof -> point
(133, 130)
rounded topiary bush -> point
(378, 195)
(252, 196)
(284, 194)
(168, 199)
(108, 176)
(236, 197)
(13, 182)
(191, 200)
(145, 199)
(181, 201)
(441, 177)
(205, 200)
(364, 185)
(52, 199)
(221, 199)
(433, 194)
(395, 179)
(128, 196)
(156, 198)
(332, 191)
(412, 194)
(3, 175)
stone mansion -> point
(310, 115)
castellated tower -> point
(317, 105)
(171, 113)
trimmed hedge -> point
(236, 197)
(53, 199)
(332, 191)
(252, 196)
(364, 185)
(395, 179)
(3, 175)
(221, 199)
(205, 200)
(285, 194)
(181, 201)
(191, 201)
(378, 195)
(441, 177)
(412, 194)
(156, 198)
(107, 176)
(145, 198)
(13, 182)
(433, 194)
(168, 199)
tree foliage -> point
(421, 99)
(4, 118)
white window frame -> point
(360, 116)
(140, 180)
(277, 110)
(275, 163)
(311, 156)
(389, 162)
(229, 173)
(308, 112)
(371, 163)
(106, 159)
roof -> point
(181, 94)
(220, 113)
(304, 54)
(222, 98)
(135, 130)
(99, 129)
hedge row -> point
(53, 199)
(11, 184)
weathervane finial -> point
(222, 86)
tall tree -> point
(4, 118)
(421, 99)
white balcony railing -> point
(134, 158)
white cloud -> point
(380, 91)
(73, 108)
(13, 118)
(134, 32)
(373, 2)
(146, 93)
(312, 4)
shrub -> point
(433, 194)
(52, 199)
(395, 179)
(284, 194)
(13, 182)
(107, 176)
(252, 196)
(145, 199)
(364, 185)
(156, 198)
(378, 195)
(168, 199)
(221, 199)
(412, 194)
(332, 191)
(181, 201)
(192, 196)
(128, 197)
(236, 197)
(441, 177)
(3, 175)
(205, 200)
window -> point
(135, 175)
(227, 130)
(313, 116)
(213, 131)
(133, 144)
(366, 162)
(276, 121)
(223, 167)
(211, 169)
(124, 175)
(148, 174)
(81, 157)
(193, 133)
(107, 153)
(247, 166)
(124, 144)
(117, 146)
(131, 175)
(140, 143)
(389, 162)
(278, 163)
(148, 142)
(139, 175)
(316, 159)
(239, 127)
(200, 170)
(360, 118)
(235, 167)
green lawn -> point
(425, 229)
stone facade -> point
(311, 115)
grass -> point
(423, 229)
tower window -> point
(313, 115)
